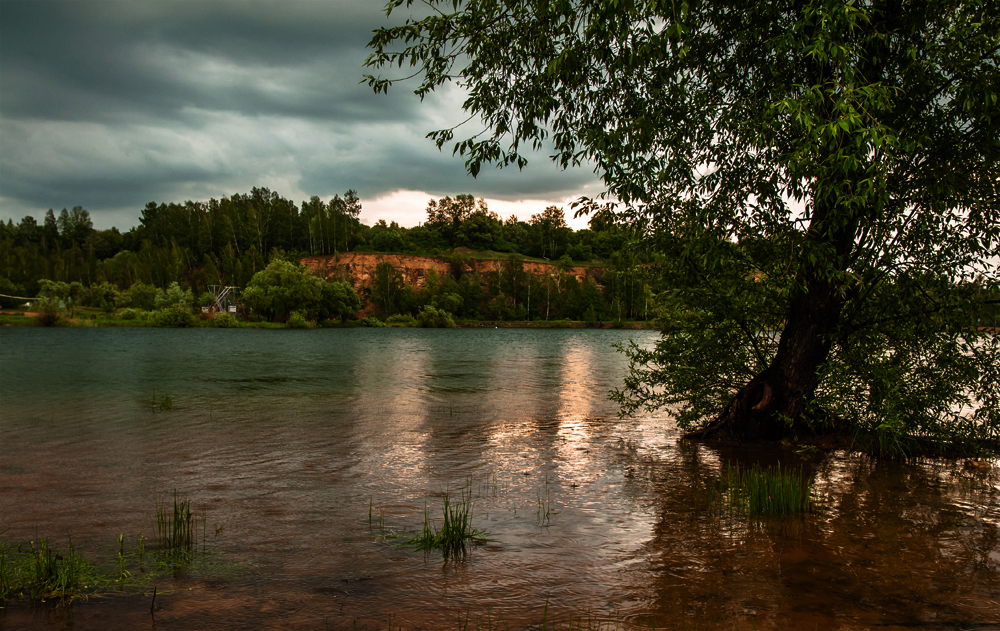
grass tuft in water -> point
(37, 571)
(381, 533)
(544, 511)
(176, 529)
(759, 491)
(456, 533)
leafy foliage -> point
(225, 320)
(284, 287)
(429, 317)
(173, 296)
(828, 170)
(173, 316)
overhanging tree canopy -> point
(828, 169)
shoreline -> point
(23, 319)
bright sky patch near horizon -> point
(110, 104)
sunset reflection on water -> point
(291, 439)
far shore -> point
(86, 318)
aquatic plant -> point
(175, 529)
(376, 525)
(165, 403)
(755, 490)
(456, 532)
(488, 487)
(544, 511)
(38, 571)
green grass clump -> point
(760, 491)
(38, 571)
(456, 533)
(176, 529)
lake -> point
(287, 441)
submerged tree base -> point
(841, 436)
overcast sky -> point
(110, 104)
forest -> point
(186, 248)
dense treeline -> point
(228, 241)
(196, 244)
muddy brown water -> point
(284, 439)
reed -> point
(38, 571)
(488, 487)
(456, 533)
(123, 574)
(544, 511)
(165, 403)
(761, 491)
(176, 529)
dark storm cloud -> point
(85, 60)
(110, 104)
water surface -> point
(285, 438)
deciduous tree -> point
(826, 169)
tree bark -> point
(768, 406)
(765, 407)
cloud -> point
(110, 104)
(408, 208)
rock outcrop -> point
(359, 267)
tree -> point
(67, 293)
(447, 215)
(828, 169)
(174, 296)
(339, 300)
(352, 210)
(106, 296)
(50, 231)
(283, 287)
(141, 296)
(387, 288)
(549, 223)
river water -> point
(285, 440)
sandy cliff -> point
(360, 267)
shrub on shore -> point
(225, 320)
(175, 316)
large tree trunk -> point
(762, 409)
(772, 401)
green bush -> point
(225, 320)
(140, 296)
(298, 321)
(371, 321)
(173, 296)
(106, 296)
(175, 316)
(435, 318)
(401, 320)
(48, 308)
(131, 313)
